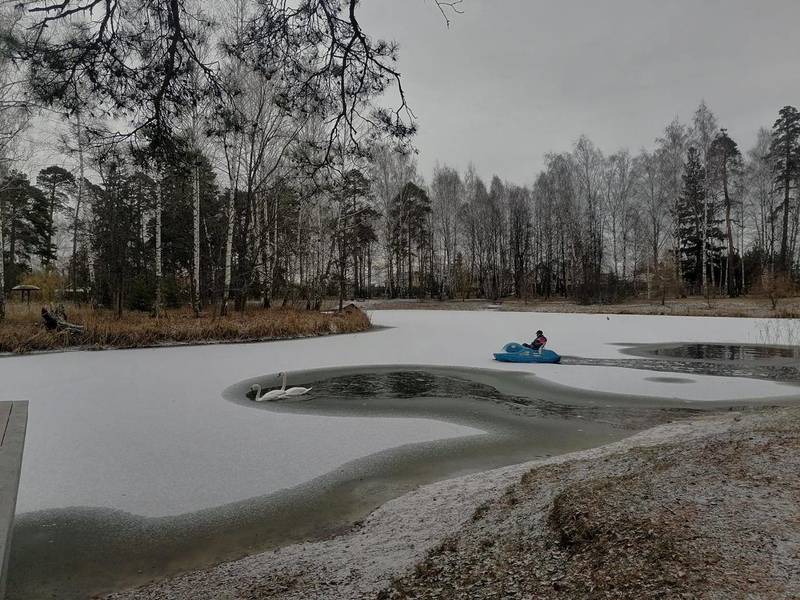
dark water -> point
(488, 400)
(387, 385)
(773, 363)
(738, 352)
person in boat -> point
(538, 343)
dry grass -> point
(711, 517)
(22, 330)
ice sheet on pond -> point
(146, 431)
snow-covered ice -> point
(147, 431)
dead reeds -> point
(22, 330)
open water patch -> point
(724, 352)
(755, 361)
(490, 400)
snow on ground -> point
(146, 431)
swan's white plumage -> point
(280, 393)
(293, 391)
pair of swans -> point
(278, 394)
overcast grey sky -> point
(514, 79)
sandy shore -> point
(701, 508)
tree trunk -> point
(369, 270)
(410, 267)
(2, 267)
(196, 239)
(51, 227)
(159, 204)
(730, 276)
(784, 260)
(226, 290)
(342, 271)
(76, 221)
(704, 261)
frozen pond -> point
(71, 551)
(144, 460)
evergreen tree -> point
(725, 164)
(785, 154)
(410, 209)
(691, 207)
(351, 202)
(56, 183)
(114, 235)
(177, 217)
(25, 223)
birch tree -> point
(672, 146)
(653, 186)
(446, 196)
(704, 130)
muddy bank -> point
(700, 508)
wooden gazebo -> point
(25, 291)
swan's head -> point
(255, 389)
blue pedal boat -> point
(517, 353)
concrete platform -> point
(13, 422)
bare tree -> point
(672, 150)
(447, 192)
(704, 130)
(653, 187)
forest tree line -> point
(220, 153)
(694, 215)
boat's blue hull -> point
(517, 353)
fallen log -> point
(54, 322)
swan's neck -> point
(283, 387)
(257, 388)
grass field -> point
(22, 330)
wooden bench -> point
(13, 422)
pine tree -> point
(695, 217)
(114, 234)
(785, 154)
(57, 183)
(725, 163)
(410, 210)
(25, 219)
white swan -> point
(293, 391)
(270, 395)
(278, 394)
